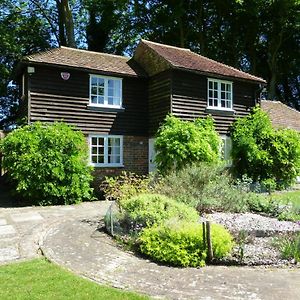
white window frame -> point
(227, 145)
(219, 106)
(106, 78)
(106, 137)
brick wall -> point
(135, 159)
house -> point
(119, 102)
(281, 115)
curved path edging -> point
(77, 245)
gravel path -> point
(260, 233)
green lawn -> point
(39, 279)
(290, 197)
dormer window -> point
(105, 91)
(219, 94)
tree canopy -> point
(257, 36)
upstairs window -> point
(219, 94)
(106, 150)
(105, 91)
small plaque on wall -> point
(65, 75)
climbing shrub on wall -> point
(267, 155)
(48, 163)
(179, 143)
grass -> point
(39, 279)
(291, 198)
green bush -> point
(149, 209)
(266, 155)
(124, 186)
(48, 163)
(181, 243)
(182, 142)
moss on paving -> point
(39, 279)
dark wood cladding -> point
(159, 92)
(54, 99)
(189, 99)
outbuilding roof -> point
(282, 116)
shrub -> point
(206, 187)
(181, 243)
(124, 186)
(182, 142)
(263, 153)
(149, 209)
(289, 247)
(48, 163)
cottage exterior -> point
(119, 102)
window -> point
(106, 150)
(219, 94)
(105, 91)
(226, 148)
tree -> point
(264, 153)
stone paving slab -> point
(3, 222)
(8, 254)
(79, 246)
(7, 229)
(26, 217)
(25, 226)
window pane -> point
(117, 101)
(210, 84)
(110, 100)
(222, 86)
(113, 159)
(94, 99)
(210, 94)
(101, 159)
(94, 150)
(100, 99)
(101, 82)
(110, 83)
(215, 85)
(110, 92)
(228, 87)
(223, 103)
(94, 80)
(100, 91)
(94, 159)
(94, 90)
(215, 94)
(101, 150)
(222, 95)
(101, 141)
(94, 141)
(210, 102)
(215, 103)
(228, 104)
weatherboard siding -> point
(54, 99)
(189, 99)
(159, 106)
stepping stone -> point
(7, 229)
(3, 222)
(26, 217)
(8, 253)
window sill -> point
(107, 166)
(220, 111)
(105, 108)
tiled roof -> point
(185, 59)
(282, 116)
(94, 61)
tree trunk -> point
(65, 24)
